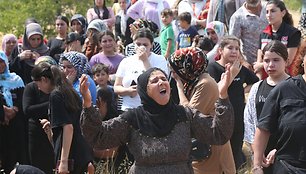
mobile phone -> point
(133, 83)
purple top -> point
(111, 61)
(147, 9)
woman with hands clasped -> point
(158, 133)
(23, 57)
(131, 67)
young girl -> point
(100, 11)
(280, 28)
(275, 56)
(108, 56)
(57, 44)
(229, 53)
(72, 153)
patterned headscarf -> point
(47, 59)
(189, 64)
(8, 81)
(78, 61)
(218, 27)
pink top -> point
(91, 15)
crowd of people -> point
(156, 86)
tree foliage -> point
(15, 12)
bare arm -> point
(291, 54)
(67, 139)
(169, 43)
(123, 91)
(260, 143)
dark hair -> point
(277, 47)
(107, 96)
(105, 11)
(30, 20)
(167, 12)
(63, 18)
(106, 33)
(203, 42)
(71, 37)
(97, 68)
(150, 25)
(144, 32)
(185, 16)
(60, 82)
(281, 5)
(227, 39)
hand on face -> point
(235, 68)
(71, 76)
(141, 52)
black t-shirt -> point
(235, 90)
(56, 47)
(261, 96)
(80, 151)
(288, 35)
(284, 113)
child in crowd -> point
(101, 75)
(185, 37)
(229, 53)
(167, 38)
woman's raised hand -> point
(84, 90)
(225, 82)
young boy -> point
(167, 38)
(101, 75)
(185, 37)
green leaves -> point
(14, 13)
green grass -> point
(293, 4)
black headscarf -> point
(153, 119)
(26, 169)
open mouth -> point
(163, 91)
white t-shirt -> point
(130, 68)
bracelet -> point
(256, 168)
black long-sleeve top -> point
(35, 103)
